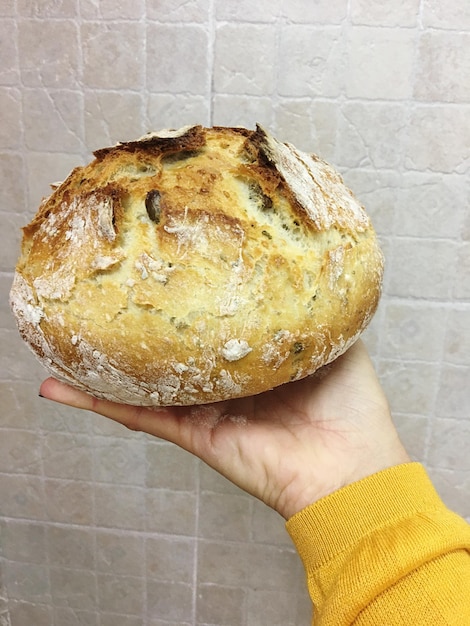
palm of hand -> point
(289, 446)
(299, 442)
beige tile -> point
(169, 601)
(452, 14)
(121, 594)
(443, 72)
(249, 71)
(410, 387)
(8, 8)
(271, 608)
(170, 467)
(376, 13)
(424, 201)
(46, 8)
(466, 226)
(53, 120)
(321, 12)
(413, 331)
(170, 512)
(247, 565)
(23, 613)
(69, 501)
(386, 57)
(164, 622)
(247, 11)
(12, 183)
(220, 605)
(22, 496)
(246, 111)
(67, 455)
(438, 138)
(210, 480)
(110, 619)
(15, 359)
(457, 341)
(111, 117)
(113, 55)
(19, 452)
(76, 617)
(71, 547)
(49, 53)
(9, 72)
(462, 275)
(316, 53)
(10, 249)
(453, 399)
(454, 488)
(23, 541)
(44, 168)
(119, 507)
(371, 134)
(325, 130)
(119, 460)
(304, 608)
(74, 589)
(267, 526)
(3, 597)
(413, 431)
(110, 10)
(178, 11)
(378, 191)
(310, 126)
(448, 447)
(55, 417)
(7, 321)
(27, 581)
(172, 111)
(421, 268)
(185, 70)
(10, 129)
(224, 516)
(120, 553)
(170, 559)
(294, 124)
(3, 593)
(19, 405)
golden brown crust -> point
(194, 266)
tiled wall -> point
(104, 527)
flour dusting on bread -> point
(193, 266)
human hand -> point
(289, 447)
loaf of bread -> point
(194, 266)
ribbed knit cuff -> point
(338, 521)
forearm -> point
(385, 550)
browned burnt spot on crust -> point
(192, 138)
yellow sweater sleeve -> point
(385, 551)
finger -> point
(161, 422)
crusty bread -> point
(193, 266)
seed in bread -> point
(194, 266)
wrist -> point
(309, 490)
